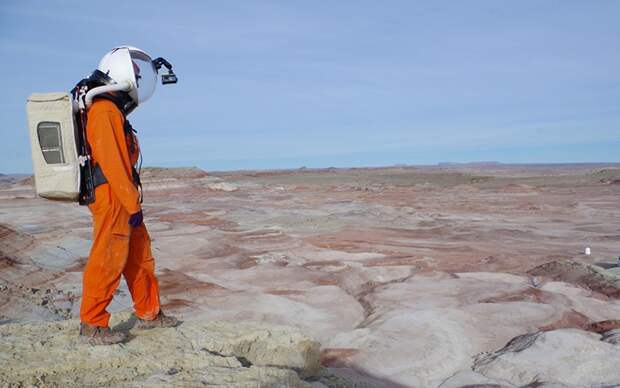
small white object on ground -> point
(588, 251)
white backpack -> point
(54, 143)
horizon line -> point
(481, 163)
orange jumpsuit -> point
(117, 247)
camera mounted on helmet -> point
(169, 78)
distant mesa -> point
(11, 178)
(469, 164)
(172, 172)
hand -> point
(136, 219)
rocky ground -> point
(448, 276)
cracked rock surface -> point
(211, 354)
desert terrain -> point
(439, 276)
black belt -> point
(99, 178)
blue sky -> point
(277, 84)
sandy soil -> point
(404, 275)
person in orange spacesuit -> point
(121, 245)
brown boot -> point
(97, 335)
(161, 320)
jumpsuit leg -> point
(139, 273)
(107, 259)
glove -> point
(136, 219)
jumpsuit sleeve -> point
(109, 150)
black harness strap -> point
(90, 175)
(98, 177)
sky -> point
(285, 84)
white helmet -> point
(134, 67)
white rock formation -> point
(571, 357)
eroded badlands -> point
(419, 277)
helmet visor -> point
(145, 75)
